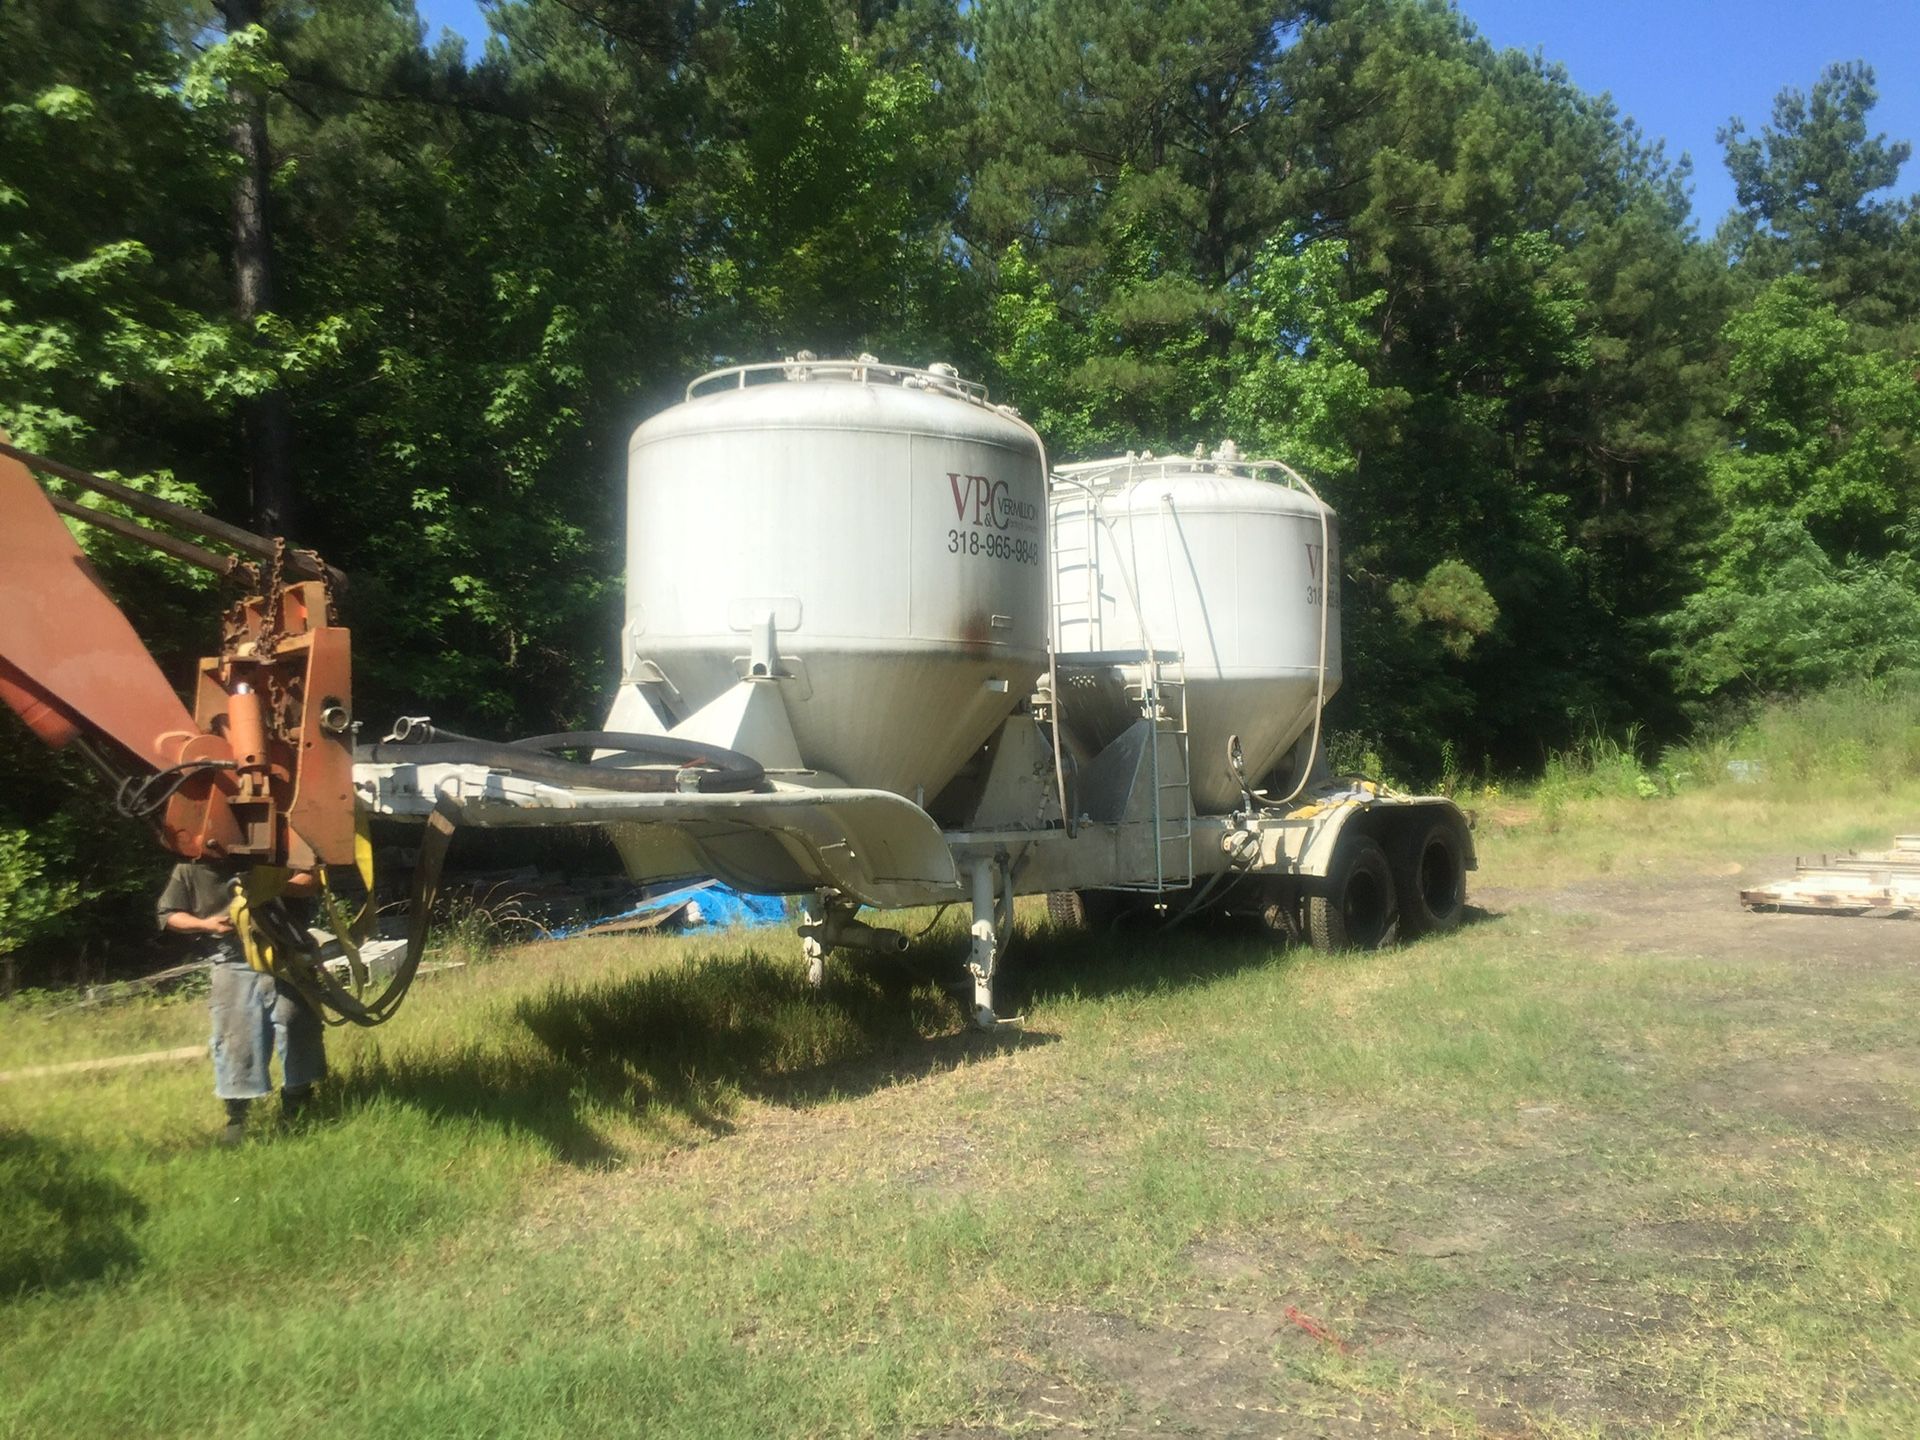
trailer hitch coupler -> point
(853, 935)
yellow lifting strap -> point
(266, 883)
(279, 949)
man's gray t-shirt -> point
(200, 890)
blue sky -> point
(1681, 68)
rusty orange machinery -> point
(262, 769)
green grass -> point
(1538, 1182)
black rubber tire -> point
(1280, 921)
(1430, 872)
(1283, 911)
(1065, 910)
(1359, 909)
(1084, 909)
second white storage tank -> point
(1226, 571)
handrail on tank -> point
(1089, 475)
(864, 369)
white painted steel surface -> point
(888, 523)
(1202, 558)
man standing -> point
(254, 1015)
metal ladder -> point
(1084, 609)
(1160, 695)
(1163, 701)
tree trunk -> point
(268, 418)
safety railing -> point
(863, 369)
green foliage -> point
(1804, 622)
(1125, 181)
(1454, 600)
(74, 876)
(831, 187)
(32, 900)
(1824, 435)
(1811, 191)
(1305, 387)
(1037, 347)
(1349, 752)
(1855, 732)
(1812, 577)
(1596, 766)
(109, 183)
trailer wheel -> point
(1359, 910)
(1083, 909)
(1431, 868)
(1280, 917)
(1065, 910)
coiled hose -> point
(286, 949)
(722, 771)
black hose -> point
(426, 733)
(660, 749)
(729, 769)
(721, 770)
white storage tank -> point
(1225, 570)
(884, 527)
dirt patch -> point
(1517, 1284)
(1499, 1363)
(1834, 1096)
(1559, 1348)
(1225, 1264)
(1505, 1298)
(1205, 1369)
(1700, 915)
(1728, 1246)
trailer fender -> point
(1388, 818)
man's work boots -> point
(293, 1102)
(236, 1130)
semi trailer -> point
(964, 675)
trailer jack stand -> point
(992, 928)
(813, 940)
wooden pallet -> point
(1880, 885)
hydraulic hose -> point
(721, 770)
(297, 962)
(727, 770)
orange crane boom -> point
(262, 767)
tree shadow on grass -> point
(61, 1222)
(1055, 964)
(679, 1047)
(1139, 960)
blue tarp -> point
(707, 904)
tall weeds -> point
(1859, 735)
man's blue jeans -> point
(254, 1018)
